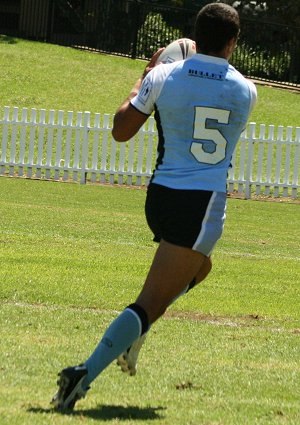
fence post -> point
(296, 163)
(251, 139)
(85, 146)
(53, 146)
(22, 142)
(4, 139)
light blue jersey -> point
(201, 107)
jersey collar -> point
(210, 59)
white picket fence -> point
(59, 145)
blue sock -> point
(122, 332)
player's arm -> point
(128, 120)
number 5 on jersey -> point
(202, 114)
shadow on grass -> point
(109, 412)
(6, 39)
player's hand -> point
(151, 64)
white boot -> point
(128, 360)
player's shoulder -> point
(252, 87)
(242, 79)
(246, 86)
(163, 70)
(235, 73)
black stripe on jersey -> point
(139, 110)
(184, 48)
(161, 141)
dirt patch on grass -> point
(265, 198)
(209, 318)
(248, 320)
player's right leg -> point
(173, 265)
(192, 213)
(128, 359)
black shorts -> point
(189, 218)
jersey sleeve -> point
(144, 100)
(151, 88)
(253, 95)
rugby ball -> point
(182, 48)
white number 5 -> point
(214, 135)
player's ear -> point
(232, 42)
(231, 45)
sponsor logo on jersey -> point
(145, 91)
(205, 74)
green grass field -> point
(73, 256)
(37, 75)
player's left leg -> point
(164, 281)
(172, 267)
(123, 331)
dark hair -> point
(215, 25)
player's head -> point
(216, 25)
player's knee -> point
(204, 271)
(208, 265)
